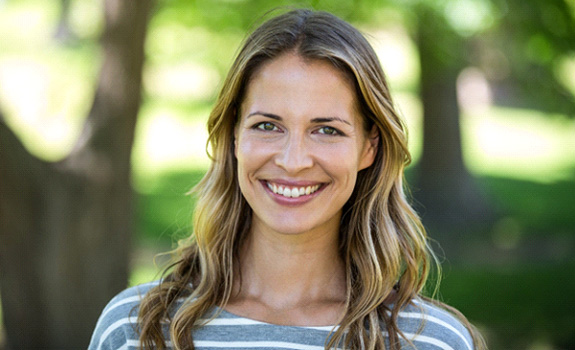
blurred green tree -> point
(447, 191)
(518, 46)
(65, 227)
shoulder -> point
(429, 326)
(117, 325)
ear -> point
(369, 149)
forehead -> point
(293, 82)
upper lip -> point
(294, 183)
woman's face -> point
(300, 143)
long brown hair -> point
(383, 243)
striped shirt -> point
(426, 326)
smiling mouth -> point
(292, 192)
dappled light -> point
(398, 54)
(519, 144)
(470, 16)
(521, 154)
(565, 72)
(42, 102)
(169, 140)
(185, 82)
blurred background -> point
(103, 105)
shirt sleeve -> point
(117, 327)
(427, 326)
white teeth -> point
(294, 192)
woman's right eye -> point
(266, 126)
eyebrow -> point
(330, 119)
(314, 120)
(269, 115)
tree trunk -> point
(448, 193)
(65, 227)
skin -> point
(299, 128)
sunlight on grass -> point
(169, 140)
(521, 144)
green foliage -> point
(242, 15)
(164, 211)
(518, 44)
(531, 38)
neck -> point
(290, 271)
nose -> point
(295, 155)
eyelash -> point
(261, 126)
(334, 132)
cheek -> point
(344, 157)
(250, 154)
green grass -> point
(518, 306)
(540, 209)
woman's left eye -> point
(328, 130)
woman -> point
(303, 238)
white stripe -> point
(256, 344)
(113, 327)
(136, 344)
(222, 344)
(135, 298)
(153, 283)
(429, 340)
(434, 308)
(325, 328)
(132, 343)
(113, 306)
(129, 299)
(247, 322)
(230, 322)
(435, 320)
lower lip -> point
(291, 201)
